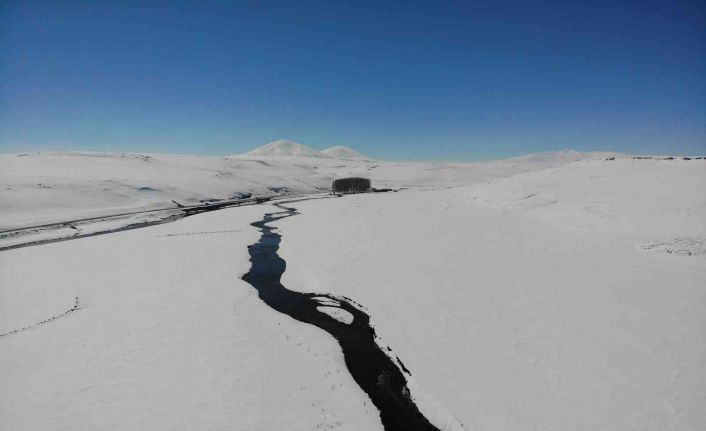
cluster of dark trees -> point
(351, 185)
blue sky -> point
(443, 80)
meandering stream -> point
(374, 371)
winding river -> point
(374, 371)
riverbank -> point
(568, 298)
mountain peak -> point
(341, 152)
(283, 147)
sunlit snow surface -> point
(570, 297)
(530, 302)
(38, 188)
(167, 337)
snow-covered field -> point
(530, 302)
(37, 188)
(167, 337)
(553, 292)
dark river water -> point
(374, 371)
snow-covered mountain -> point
(341, 152)
(286, 148)
(283, 147)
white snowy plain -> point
(167, 337)
(570, 297)
(529, 302)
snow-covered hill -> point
(57, 186)
(341, 152)
(284, 148)
(554, 157)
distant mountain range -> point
(285, 148)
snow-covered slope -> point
(552, 158)
(59, 186)
(341, 152)
(41, 187)
(282, 148)
(562, 299)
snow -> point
(37, 188)
(19, 237)
(552, 291)
(529, 302)
(338, 314)
(341, 152)
(167, 337)
(558, 157)
(284, 147)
